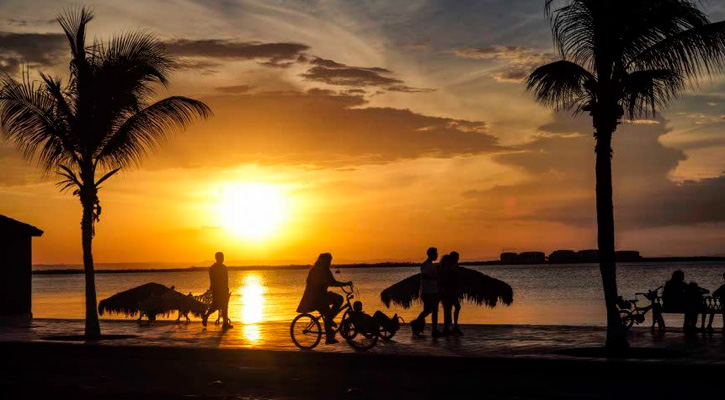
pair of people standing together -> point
(439, 284)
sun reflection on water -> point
(252, 292)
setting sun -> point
(252, 211)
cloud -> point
(334, 73)
(519, 60)
(29, 22)
(35, 49)
(234, 89)
(320, 129)
(271, 54)
(560, 184)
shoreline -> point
(75, 271)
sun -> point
(253, 211)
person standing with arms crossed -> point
(219, 280)
(430, 295)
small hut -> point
(16, 266)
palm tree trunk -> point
(605, 235)
(93, 328)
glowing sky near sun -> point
(371, 130)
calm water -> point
(543, 294)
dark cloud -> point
(35, 49)
(270, 54)
(234, 89)
(321, 129)
(338, 74)
(30, 22)
(560, 187)
(519, 60)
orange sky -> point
(385, 128)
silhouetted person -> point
(693, 304)
(367, 323)
(450, 293)
(429, 293)
(317, 298)
(219, 280)
(673, 295)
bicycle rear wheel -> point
(305, 331)
(627, 318)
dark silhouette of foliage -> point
(102, 120)
(623, 58)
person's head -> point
(219, 256)
(692, 285)
(455, 257)
(324, 260)
(446, 260)
(678, 276)
(357, 306)
(432, 253)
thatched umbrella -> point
(474, 287)
(150, 299)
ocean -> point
(543, 294)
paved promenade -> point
(477, 341)
(166, 360)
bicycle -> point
(637, 315)
(306, 331)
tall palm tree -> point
(623, 58)
(104, 119)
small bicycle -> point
(307, 330)
(630, 313)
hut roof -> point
(11, 226)
(474, 286)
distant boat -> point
(337, 271)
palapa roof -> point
(9, 226)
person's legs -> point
(335, 301)
(456, 312)
(225, 313)
(447, 308)
(434, 315)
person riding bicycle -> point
(317, 298)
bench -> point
(710, 306)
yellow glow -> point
(253, 299)
(253, 211)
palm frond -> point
(74, 22)
(646, 91)
(695, 53)
(29, 120)
(146, 129)
(562, 85)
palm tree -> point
(623, 58)
(103, 120)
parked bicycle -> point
(630, 313)
(307, 330)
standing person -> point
(317, 298)
(450, 294)
(430, 295)
(219, 280)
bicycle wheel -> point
(386, 335)
(360, 341)
(627, 318)
(347, 331)
(305, 331)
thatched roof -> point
(152, 298)
(474, 286)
